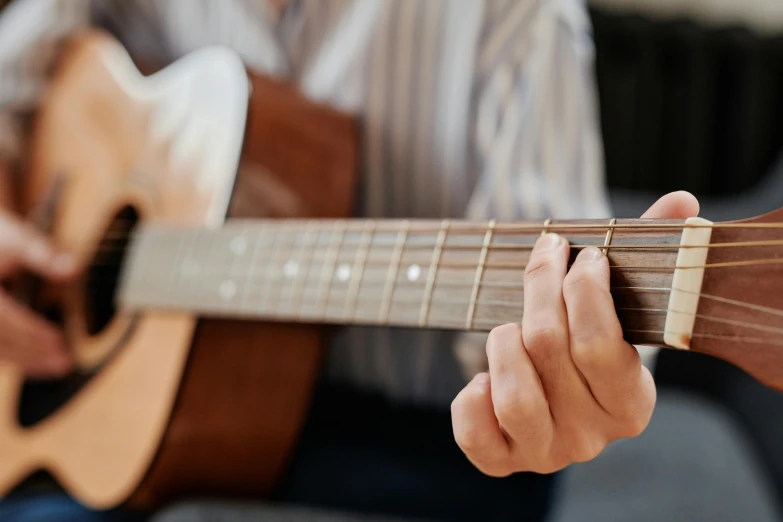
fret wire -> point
(309, 246)
(609, 233)
(358, 268)
(283, 251)
(249, 278)
(175, 273)
(391, 275)
(546, 226)
(281, 265)
(479, 274)
(431, 273)
(196, 268)
(269, 269)
(327, 274)
(235, 263)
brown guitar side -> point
(247, 385)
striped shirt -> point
(470, 108)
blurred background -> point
(691, 96)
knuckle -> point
(502, 336)
(471, 440)
(496, 469)
(505, 332)
(550, 461)
(547, 468)
(469, 435)
(540, 263)
(580, 282)
(543, 337)
(634, 425)
(534, 269)
(579, 279)
(591, 346)
(588, 350)
(513, 408)
(585, 448)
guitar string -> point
(735, 302)
(521, 266)
(711, 318)
(517, 307)
(376, 297)
(501, 246)
(717, 337)
(357, 225)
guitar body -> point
(170, 405)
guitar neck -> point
(428, 274)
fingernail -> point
(588, 254)
(549, 241)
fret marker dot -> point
(343, 272)
(290, 269)
(228, 289)
(238, 245)
(414, 271)
(189, 267)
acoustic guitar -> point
(211, 212)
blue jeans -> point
(360, 453)
(57, 508)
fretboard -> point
(426, 274)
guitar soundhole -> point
(104, 274)
(39, 399)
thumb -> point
(675, 205)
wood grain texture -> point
(740, 315)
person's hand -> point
(27, 339)
(564, 384)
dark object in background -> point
(685, 106)
(688, 107)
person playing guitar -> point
(478, 109)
